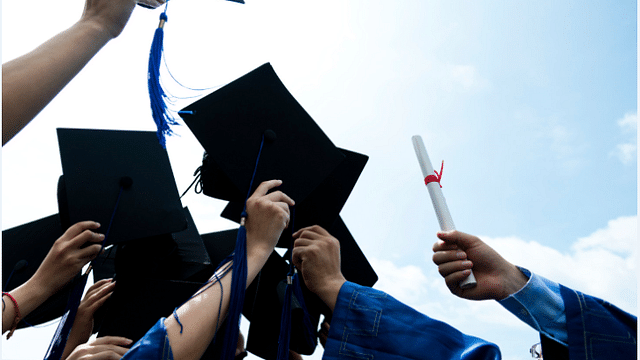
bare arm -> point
(31, 81)
(268, 216)
(65, 259)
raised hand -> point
(456, 253)
(95, 297)
(268, 215)
(317, 255)
(68, 255)
(102, 348)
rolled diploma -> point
(439, 203)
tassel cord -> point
(56, 347)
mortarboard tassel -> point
(310, 333)
(285, 322)
(59, 341)
(238, 278)
(293, 289)
(64, 327)
(157, 95)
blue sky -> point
(533, 107)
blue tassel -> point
(238, 287)
(310, 333)
(285, 323)
(59, 341)
(64, 327)
(157, 96)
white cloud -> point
(602, 264)
(627, 150)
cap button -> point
(270, 135)
(126, 182)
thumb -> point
(463, 240)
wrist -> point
(330, 290)
(513, 282)
(39, 287)
(258, 249)
(95, 29)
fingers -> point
(113, 340)
(323, 334)
(451, 267)
(462, 240)
(89, 253)
(108, 352)
(443, 246)
(77, 228)
(279, 196)
(311, 232)
(97, 295)
(442, 257)
(87, 236)
(265, 186)
(453, 279)
(97, 285)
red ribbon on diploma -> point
(434, 178)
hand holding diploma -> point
(437, 198)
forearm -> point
(28, 296)
(31, 81)
(77, 336)
(199, 316)
(540, 305)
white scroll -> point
(439, 203)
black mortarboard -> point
(264, 297)
(354, 265)
(180, 257)
(137, 304)
(24, 248)
(140, 300)
(230, 124)
(176, 256)
(97, 164)
(219, 245)
(263, 307)
(324, 203)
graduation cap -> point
(139, 301)
(105, 168)
(266, 294)
(24, 249)
(254, 130)
(119, 178)
(179, 256)
(176, 256)
(230, 124)
(325, 202)
(137, 304)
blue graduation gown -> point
(154, 345)
(369, 324)
(597, 330)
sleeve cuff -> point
(540, 305)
